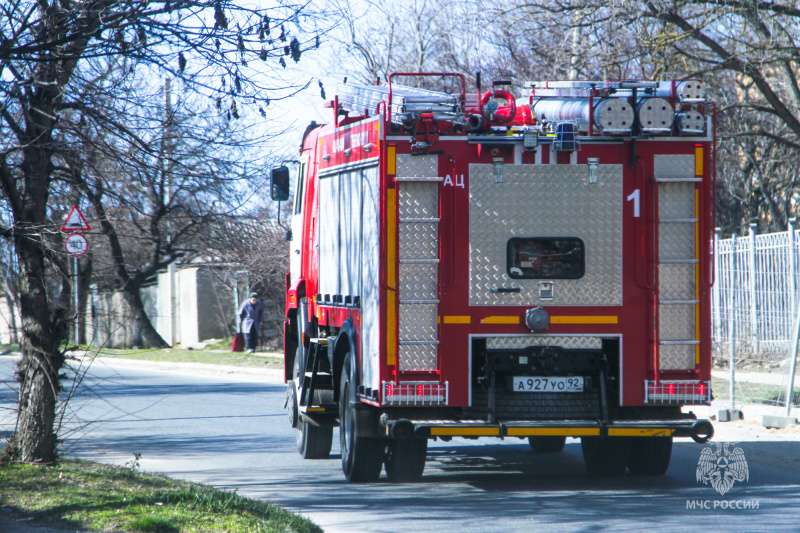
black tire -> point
(405, 460)
(547, 444)
(650, 456)
(313, 442)
(362, 457)
(606, 457)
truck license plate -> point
(548, 384)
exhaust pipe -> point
(701, 431)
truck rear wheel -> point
(405, 460)
(605, 456)
(547, 444)
(362, 457)
(650, 456)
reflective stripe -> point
(564, 432)
(584, 319)
(457, 319)
(391, 270)
(473, 431)
(640, 432)
(500, 320)
(698, 161)
(391, 160)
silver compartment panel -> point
(523, 341)
(676, 357)
(532, 201)
(673, 166)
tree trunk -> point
(42, 331)
(152, 338)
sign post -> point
(76, 246)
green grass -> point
(214, 354)
(102, 497)
(759, 393)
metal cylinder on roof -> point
(690, 122)
(611, 115)
(656, 115)
(687, 91)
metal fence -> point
(755, 299)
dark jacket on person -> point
(250, 316)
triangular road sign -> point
(75, 221)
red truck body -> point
(475, 266)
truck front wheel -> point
(362, 457)
(313, 442)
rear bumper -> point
(699, 430)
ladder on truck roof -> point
(356, 98)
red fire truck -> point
(468, 264)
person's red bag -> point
(237, 344)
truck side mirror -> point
(279, 184)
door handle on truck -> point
(505, 289)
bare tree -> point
(157, 185)
(216, 47)
(746, 53)
(258, 245)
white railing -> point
(755, 302)
(755, 296)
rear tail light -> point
(415, 393)
(677, 392)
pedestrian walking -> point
(250, 316)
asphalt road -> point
(230, 430)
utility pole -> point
(167, 169)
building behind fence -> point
(755, 306)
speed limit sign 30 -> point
(76, 245)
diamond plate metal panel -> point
(673, 166)
(676, 322)
(419, 240)
(418, 200)
(676, 357)
(546, 201)
(416, 357)
(418, 281)
(518, 342)
(676, 282)
(419, 166)
(417, 322)
(676, 200)
(676, 241)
